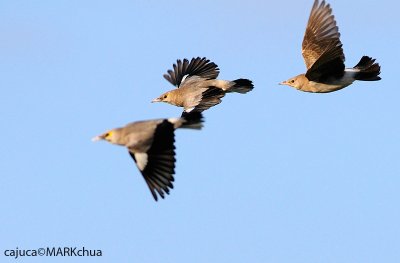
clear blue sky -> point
(276, 175)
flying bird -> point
(324, 58)
(197, 86)
(151, 145)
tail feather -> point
(241, 86)
(192, 120)
(368, 70)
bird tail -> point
(367, 69)
(192, 120)
(241, 86)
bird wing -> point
(201, 67)
(157, 165)
(209, 98)
(321, 48)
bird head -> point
(295, 82)
(110, 136)
(166, 97)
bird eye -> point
(106, 135)
(292, 81)
(165, 96)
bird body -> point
(138, 136)
(197, 86)
(151, 144)
(324, 58)
(194, 93)
(331, 84)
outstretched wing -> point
(157, 165)
(321, 48)
(201, 67)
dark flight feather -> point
(158, 173)
(201, 67)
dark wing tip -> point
(192, 119)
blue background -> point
(276, 175)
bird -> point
(197, 86)
(151, 145)
(324, 58)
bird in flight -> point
(151, 145)
(197, 86)
(323, 55)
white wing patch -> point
(189, 109)
(177, 122)
(141, 160)
(352, 70)
(184, 78)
